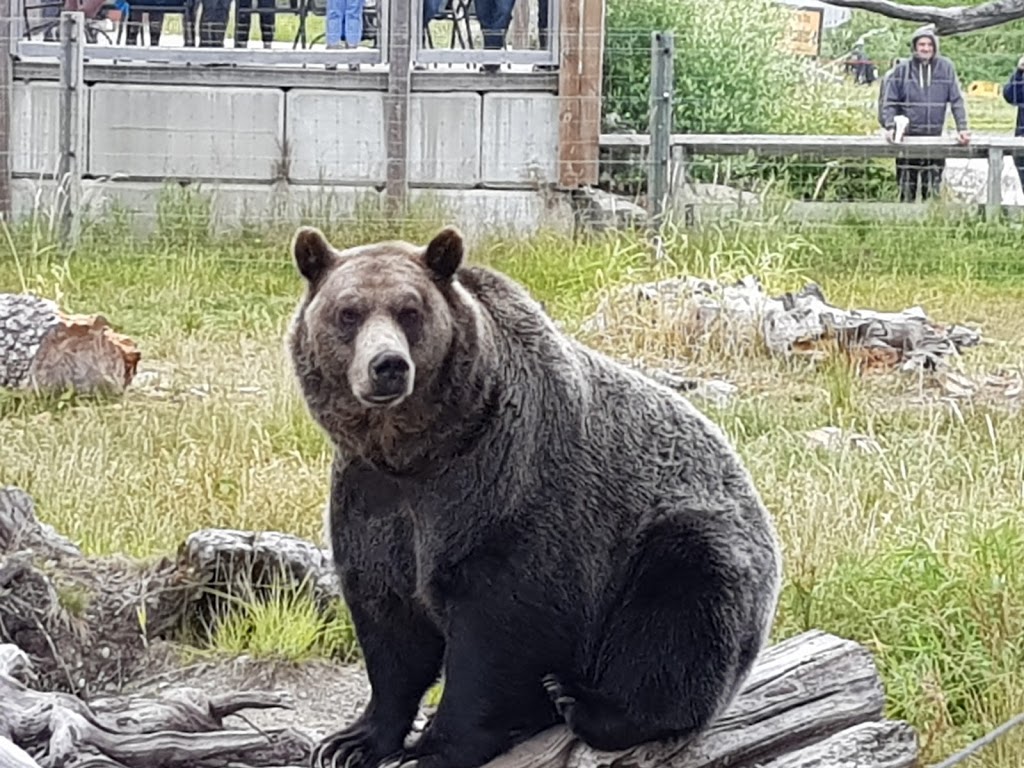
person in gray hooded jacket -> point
(920, 88)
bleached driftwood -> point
(796, 323)
(183, 728)
(46, 350)
(224, 559)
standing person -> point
(243, 22)
(920, 89)
(345, 25)
(1013, 92)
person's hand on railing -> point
(964, 137)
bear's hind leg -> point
(673, 650)
(403, 654)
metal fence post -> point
(72, 113)
(662, 53)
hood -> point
(926, 31)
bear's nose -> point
(388, 371)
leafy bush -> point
(731, 75)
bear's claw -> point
(558, 694)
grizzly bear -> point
(566, 539)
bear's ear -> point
(313, 254)
(444, 253)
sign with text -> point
(803, 32)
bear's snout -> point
(389, 376)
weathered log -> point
(13, 756)
(742, 316)
(229, 560)
(184, 728)
(45, 350)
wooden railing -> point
(990, 147)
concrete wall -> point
(458, 140)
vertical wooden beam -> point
(581, 46)
(6, 105)
(396, 101)
(72, 124)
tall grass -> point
(916, 550)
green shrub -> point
(731, 75)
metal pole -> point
(662, 53)
(72, 105)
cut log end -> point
(49, 351)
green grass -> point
(916, 551)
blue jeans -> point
(345, 21)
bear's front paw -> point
(353, 747)
(560, 695)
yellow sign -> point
(803, 32)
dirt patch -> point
(324, 695)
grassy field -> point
(917, 551)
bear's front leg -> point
(403, 652)
(501, 639)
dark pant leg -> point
(243, 22)
(907, 178)
(495, 17)
(268, 22)
(931, 177)
(214, 22)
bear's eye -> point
(410, 316)
(411, 321)
(348, 316)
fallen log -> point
(743, 317)
(183, 728)
(45, 350)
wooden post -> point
(581, 35)
(994, 197)
(662, 53)
(72, 112)
(396, 101)
(6, 105)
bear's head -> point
(374, 329)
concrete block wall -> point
(35, 128)
(306, 136)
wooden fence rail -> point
(990, 147)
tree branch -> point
(947, 21)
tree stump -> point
(83, 622)
(46, 350)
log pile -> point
(46, 350)
(812, 700)
(742, 316)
